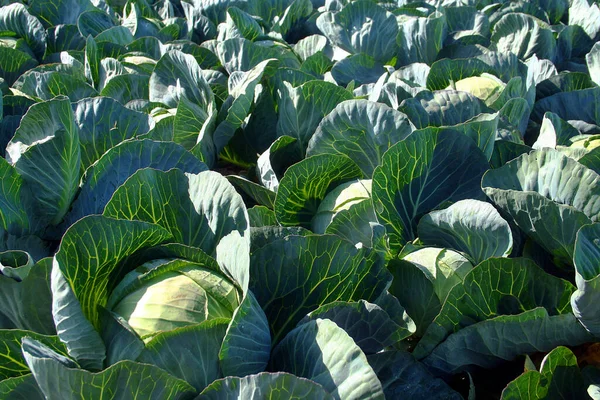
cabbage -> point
(341, 198)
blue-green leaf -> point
(497, 286)
(321, 351)
(125, 380)
(189, 353)
(293, 276)
(46, 152)
(189, 206)
(421, 173)
(362, 130)
(246, 348)
(559, 377)
(118, 164)
(275, 386)
(471, 226)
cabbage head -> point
(163, 295)
(340, 198)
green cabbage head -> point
(340, 198)
(163, 295)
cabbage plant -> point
(299, 199)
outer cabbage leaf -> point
(48, 85)
(246, 348)
(362, 27)
(125, 380)
(538, 192)
(306, 183)
(497, 286)
(190, 353)
(593, 63)
(302, 108)
(524, 36)
(26, 297)
(488, 343)
(178, 75)
(358, 68)
(554, 131)
(470, 226)
(441, 108)
(242, 55)
(15, 200)
(559, 376)
(104, 123)
(118, 164)
(14, 62)
(60, 11)
(321, 351)
(586, 15)
(444, 268)
(293, 276)
(45, 151)
(128, 87)
(21, 388)
(272, 164)
(368, 325)
(275, 386)
(420, 39)
(237, 107)
(189, 206)
(419, 174)
(577, 105)
(12, 363)
(416, 292)
(585, 258)
(362, 130)
(16, 18)
(402, 376)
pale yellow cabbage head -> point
(340, 198)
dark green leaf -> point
(118, 164)
(362, 27)
(559, 377)
(302, 108)
(295, 275)
(12, 363)
(103, 123)
(362, 130)
(403, 377)
(321, 351)
(189, 353)
(487, 344)
(368, 325)
(246, 348)
(189, 206)
(306, 183)
(420, 39)
(274, 386)
(45, 151)
(21, 388)
(497, 286)
(125, 380)
(538, 192)
(178, 75)
(27, 300)
(419, 174)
